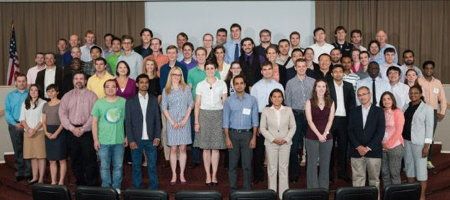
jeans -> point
(136, 155)
(111, 154)
(23, 167)
(297, 143)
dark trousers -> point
(23, 167)
(84, 159)
(297, 144)
(339, 132)
(241, 149)
(259, 157)
(195, 151)
(434, 131)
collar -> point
(143, 96)
(281, 108)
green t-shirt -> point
(111, 117)
(112, 62)
(195, 76)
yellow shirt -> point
(95, 84)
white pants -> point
(278, 164)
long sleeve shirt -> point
(13, 105)
(434, 94)
(261, 91)
(134, 60)
(394, 128)
(75, 109)
(240, 112)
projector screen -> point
(167, 19)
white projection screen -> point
(167, 19)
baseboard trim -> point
(437, 142)
(2, 162)
(9, 153)
(445, 152)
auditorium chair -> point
(198, 195)
(50, 192)
(96, 193)
(143, 194)
(357, 193)
(254, 195)
(305, 194)
(409, 191)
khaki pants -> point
(278, 166)
(359, 168)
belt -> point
(295, 111)
(241, 130)
(77, 126)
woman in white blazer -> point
(278, 127)
(418, 135)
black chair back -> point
(254, 195)
(402, 192)
(357, 193)
(141, 194)
(305, 194)
(198, 195)
(50, 192)
(96, 193)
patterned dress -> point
(177, 104)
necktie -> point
(236, 52)
(374, 93)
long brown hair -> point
(315, 99)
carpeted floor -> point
(438, 189)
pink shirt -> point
(75, 109)
(394, 128)
(434, 94)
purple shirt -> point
(129, 90)
(191, 65)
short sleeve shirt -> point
(111, 116)
(211, 94)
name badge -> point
(436, 90)
(246, 111)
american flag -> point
(13, 67)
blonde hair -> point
(168, 87)
(144, 69)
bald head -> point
(381, 37)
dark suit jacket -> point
(133, 119)
(349, 95)
(40, 80)
(371, 135)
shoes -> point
(32, 182)
(293, 179)
(172, 183)
(345, 178)
(144, 164)
(430, 165)
(193, 165)
(257, 180)
(303, 163)
(183, 182)
(214, 184)
(118, 191)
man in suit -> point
(50, 75)
(366, 130)
(250, 61)
(343, 96)
(143, 130)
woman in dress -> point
(211, 93)
(393, 141)
(34, 137)
(218, 57)
(417, 135)
(277, 126)
(279, 71)
(319, 112)
(177, 105)
(55, 142)
(411, 77)
(126, 86)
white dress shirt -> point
(319, 50)
(400, 91)
(380, 84)
(211, 94)
(365, 112)
(49, 78)
(383, 69)
(143, 100)
(261, 91)
(340, 106)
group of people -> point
(270, 104)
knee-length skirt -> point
(211, 133)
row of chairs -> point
(393, 192)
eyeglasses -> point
(176, 75)
(363, 94)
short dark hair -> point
(324, 54)
(364, 52)
(222, 30)
(125, 37)
(79, 72)
(336, 49)
(394, 68)
(126, 64)
(389, 50)
(188, 44)
(210, 62)
(337, 66)
(265, 31)
(96, 47)
(239, 76)
(318, 29)
(140, 76)
(346, 56)
(294, 33)
(52, 86)
(247, 39)
(266, 63)
(408, 51)
(295, 50)
(172, 47)
(183, 34)
(394, 102)
(63, 39)
(374, 41)
(116, 39)
(284, 40)
(339, 28)
(355, 31)
(108, 34)
(428, 62)
(146, 30)
(100, 59)
(234, 25)
(21, 75)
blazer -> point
(134, 119)
(269, 125)
(371, 135)
(349, 95)
(422, 124)
(40, 80)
